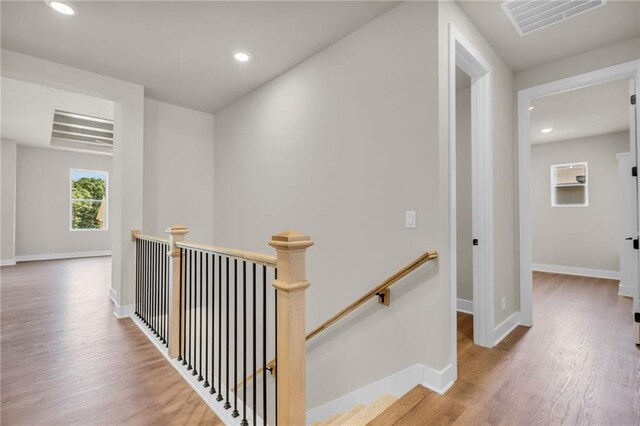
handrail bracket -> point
(384, 296)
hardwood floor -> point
(577, 365)
(67, 360)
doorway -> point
(476, 264)
(527, 99)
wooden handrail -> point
(136, 235)
(430, 255)
(261, 259)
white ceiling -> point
(27, 110)
(182, 51)
(590, 111)
(614, 22)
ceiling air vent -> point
(528, 16)
(82, 131)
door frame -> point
(630, 70)
(464, 54)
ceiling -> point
(28, 110)
(614, 22)
(181, 52)
(590, 111)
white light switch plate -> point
(410, 219)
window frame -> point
(553, 168)
(71, 200)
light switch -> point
(410, 219)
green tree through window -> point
(88, 199)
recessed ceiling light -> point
(241, 56)
(547, 130)
(531, 108)
(61, 7)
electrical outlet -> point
(504, 303)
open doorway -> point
(578, 193)
(474, 204)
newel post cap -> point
(135, 233)
(177, 230)
(290, 240)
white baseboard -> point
(505, 327)
(396, 384)
(32, 257)
(7, 262)
(626, 290)
(465, 306)
(570, 270)
(126, 311)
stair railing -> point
(194, 299)
(381, 291)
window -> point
(89, 190)
(569, 185)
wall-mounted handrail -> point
(259, 258)
(430, 255)
(373, 292)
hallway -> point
(67, 360)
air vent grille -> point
(82, 130)
(528, 16)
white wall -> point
(606, 56)
(178, 170)
(580, 237)
(504, 155)
(464, 235)
(339, 147)
(43, 203)
(8, 152)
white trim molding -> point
(52, 256)
(465, 306)
(630, 70)
(113, 295)
(571, 270)
(464, 54)
(503, 329)
(7, 262)
(626, 290)
(126, 311)
(396, 384)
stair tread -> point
(372, 411)
(345, 418)
(401, 407)
(331, 419)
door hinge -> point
(636, 244)
(634, 171)
(637, 316)
(475, 241)
(633, 99)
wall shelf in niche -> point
(569, 185)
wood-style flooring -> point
(578, 364)
(67, 360)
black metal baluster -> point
(255, 378)
(180, 341)
(200, 325)
(166, 295)
(227, 405)
(264, 344)
(137, 278)
(189, 318)
(143, 267)
(212, 370)
(206, 322)
(154, 288)
(146, 282)
(219, 397)
(244, 343)
(235, 337)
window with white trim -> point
(89, 200)
(569, 185)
